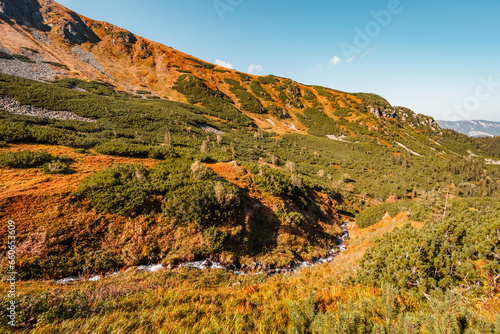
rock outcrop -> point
(383, 112)
(405, 115)
(24, 12)
(29, 13)
(75, 31)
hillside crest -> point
(58, 43)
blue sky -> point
(439, 58)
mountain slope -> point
(119, 155)
(473, 128)
(63, 44)
(235, 167)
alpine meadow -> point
(144, 190)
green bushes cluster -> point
(332, 98)
(56, 64)
(203, 64)
(57, 167)
(25, 132)
(23, 58)
(171, 187)
(235, 85)
(268, 80)
(442, 312)
(373, 100)
(119, 189)
(249, 102)
(274, 110)
(244, 76)
(489, 145)
(24, 159)
(29, 49)
(29, 159)
(344, 112)
(197, 91)
(257, 89)
(309, 95)
(96, 87)
(289, 93)
(279, 183)
(217, 239)
(200, 203)
(128, 148)
(5, 55)
(318, 123)
(458, 251)
(375, 213)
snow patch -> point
(471, 154)
(290, 126)
(492, 162)
(406, 148)
(340, 138)
(270, 121)
(435, 142)
(479, 134)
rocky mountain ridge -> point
(476, 128)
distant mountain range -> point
(473, 128)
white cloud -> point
(255, 68)
(368, 52)
(224, 64)
(316, 68)
(351, 59)
(335, 60)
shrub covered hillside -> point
(208, 174)
(461, 250)
(120, 156)
(149, 181)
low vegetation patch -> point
(23, 58)
(374, 214)
(56, 64)
(5, 55)
(24, 159)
